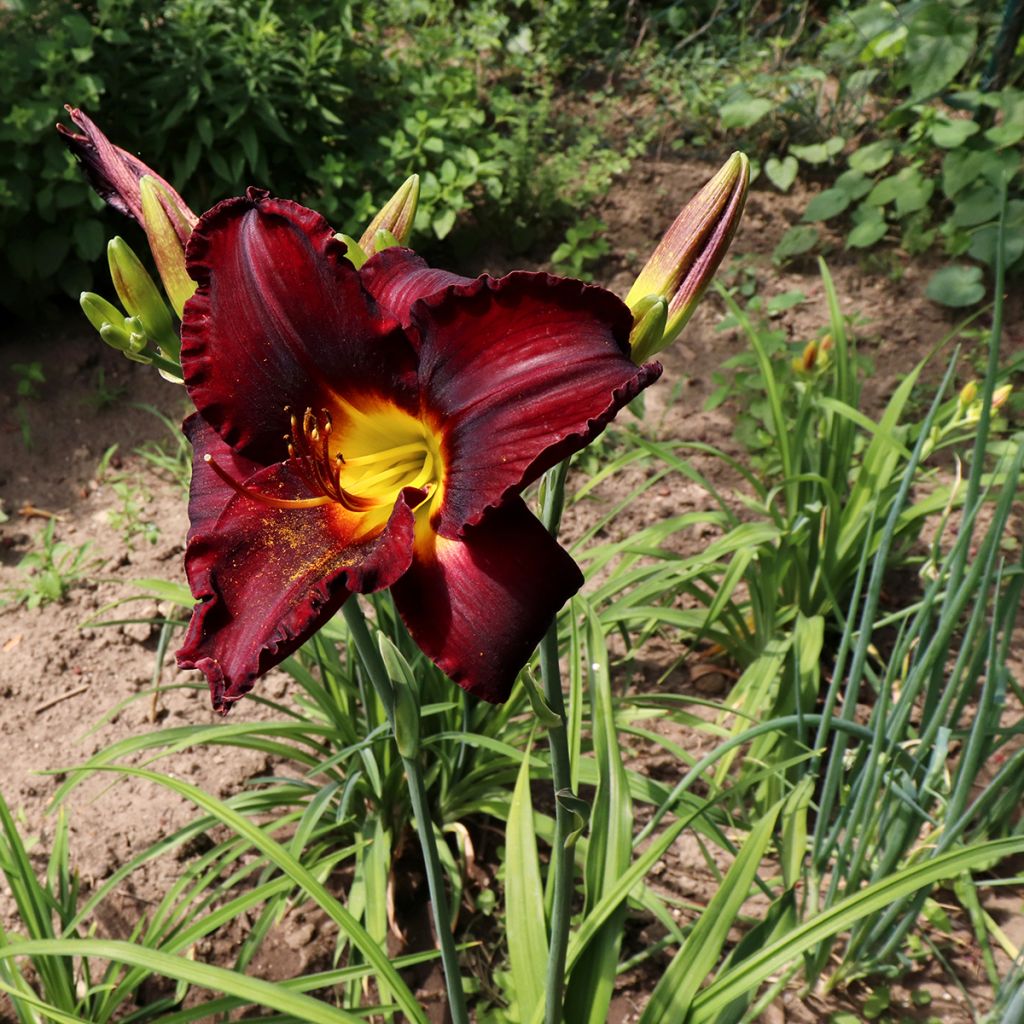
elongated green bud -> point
(396, 215)
(682, 265)
(140, 296)
(116, 336)
(98, 311)
(165, 224)
(407, 704)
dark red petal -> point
(280, 319)
(114, 173)
(522, 372)
(267, 579)
(397, 277)
(479, 606)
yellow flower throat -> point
(377, 453)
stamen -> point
(374, 478)
(264, 499)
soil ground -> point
(71, 687)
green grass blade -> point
(524, 901)
(22, 999)
(672, 996)
(592, 981)
(299, 874)
(757, 968)
(217, 979)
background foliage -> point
(908, 114)
(331, 101)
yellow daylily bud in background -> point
(968, 393)
(808, 359)
(1000, 395)
(165, 224)
(141, 297)
(396, 216)
(686, 259)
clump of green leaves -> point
(129, 515)
(51, 570)
(585, 243)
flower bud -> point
(1000, 396)
(406, 699)
(140, 296)
(396, 215)
(116, 174)
(808, 359)
(686, 259)
(165, 223)
(968, 393)
(98, 311)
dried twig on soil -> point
(40, 708)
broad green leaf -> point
(879, 24)
(781, 173)
(443, 223)
(826, 205)
(1009, 133)
(866, 233)
(940, 41)
(524, 900)
(950, 134)
(90, 239)
(976, 206)
(743, 113)
(795, 242)
(960, 167)
(872, 157)
(957, 285)
(819, 152)
(985, 239)
(854, 183)
(914, 193)
(884, 192)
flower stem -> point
(562, 862)
(370, 656)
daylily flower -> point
(372, 428)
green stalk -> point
(562, 860)
(372, 661)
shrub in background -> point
(330, 101)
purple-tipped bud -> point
(395, 216)
(115, 174)
(686, 259)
